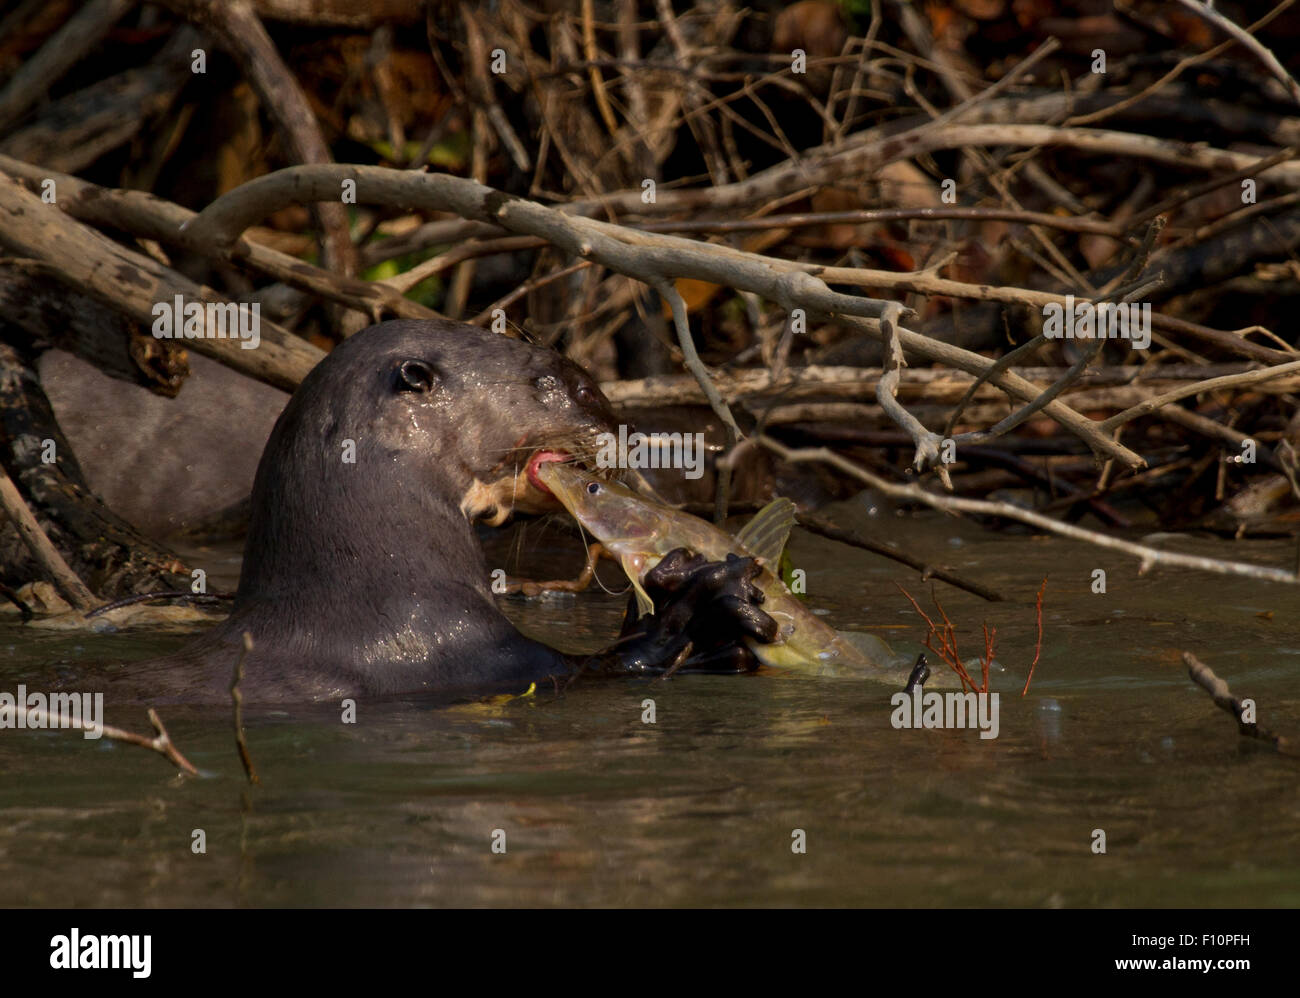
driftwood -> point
(652, 258)
(133, 283)
(46, 554)
(149, 217)
(1203, 676)
(54, 316)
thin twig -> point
(1228, 381)
(1203, 676)
(717, 403)
(1249, 170)
(237, 698)
(1091, 226)
(147, 597)
(597, 81)
(1038, 644)
(947, 649)
(1249, 41)
(160, 743)
(1148, 556)
(1183, 64)
(927, 442)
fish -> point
(639, 532)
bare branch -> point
(160, 743)
(1204, 10)
(1148, 556)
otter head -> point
(403, 428)
(517, 406)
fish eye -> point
(593, 489)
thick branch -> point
(133, 283)
(151, 217)
(644, 256)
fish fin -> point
(644, 604)
(765, 535)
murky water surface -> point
(700, 807)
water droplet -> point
(1049, 719)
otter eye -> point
(414, 376)
(584, 395)
(593, 489)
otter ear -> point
(415, 376)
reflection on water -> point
(699, 808)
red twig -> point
(947, 636)
(1038, 645)
(947, 641)
(990, 636)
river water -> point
(593, 806)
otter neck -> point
(378, 526)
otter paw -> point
(724, 602)
(673, 572)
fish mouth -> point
(515, 484)
(539, 458)
(544, 456)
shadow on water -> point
(700, 807)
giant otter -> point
(362, 573)
(164, 464)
